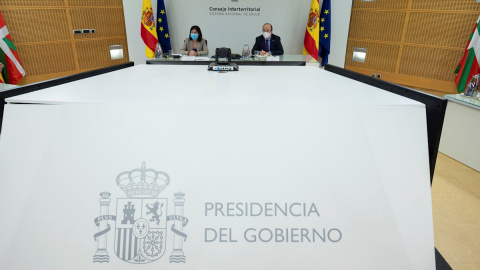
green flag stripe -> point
(466, 71)
(477, 28)
(9, 44)
(4, 70)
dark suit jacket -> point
(275, 45)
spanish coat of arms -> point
(148, 19)
(141, 220)
(313, 19)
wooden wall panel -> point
(426, 42)
(364, 24)
(93, 54)
(42, 31)
(93, 18)
(428, 62)
(46, 58)
(459, 5)
(444, 29)
(104, 3)
(31, 3)
(379, 55)
(34, 25)
(382, 4)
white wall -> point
(288, 17)
(340, 25)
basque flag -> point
(325, 31)
(469, 65)
(162, 27)
(12, 71)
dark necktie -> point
(266, 46)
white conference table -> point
(194, 84)
(6, 87)
(349, 163)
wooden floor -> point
(456, 213)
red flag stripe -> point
(460, 72)
(310, 45)
(148, 39)
(462, 62)
(2, 22)
(13, 75)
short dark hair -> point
(198, 30)
(271, 27)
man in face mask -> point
(268, 43)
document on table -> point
(273, 58)
(194, 58)
(202, 58)
(187, 58)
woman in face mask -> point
(195, 44)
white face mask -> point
(266, 35)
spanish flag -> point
(148, 31)
(312, 33)
(12, 71)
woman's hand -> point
(192, 53)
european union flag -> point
(325, 33)
(162, 27)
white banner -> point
(214, 187)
